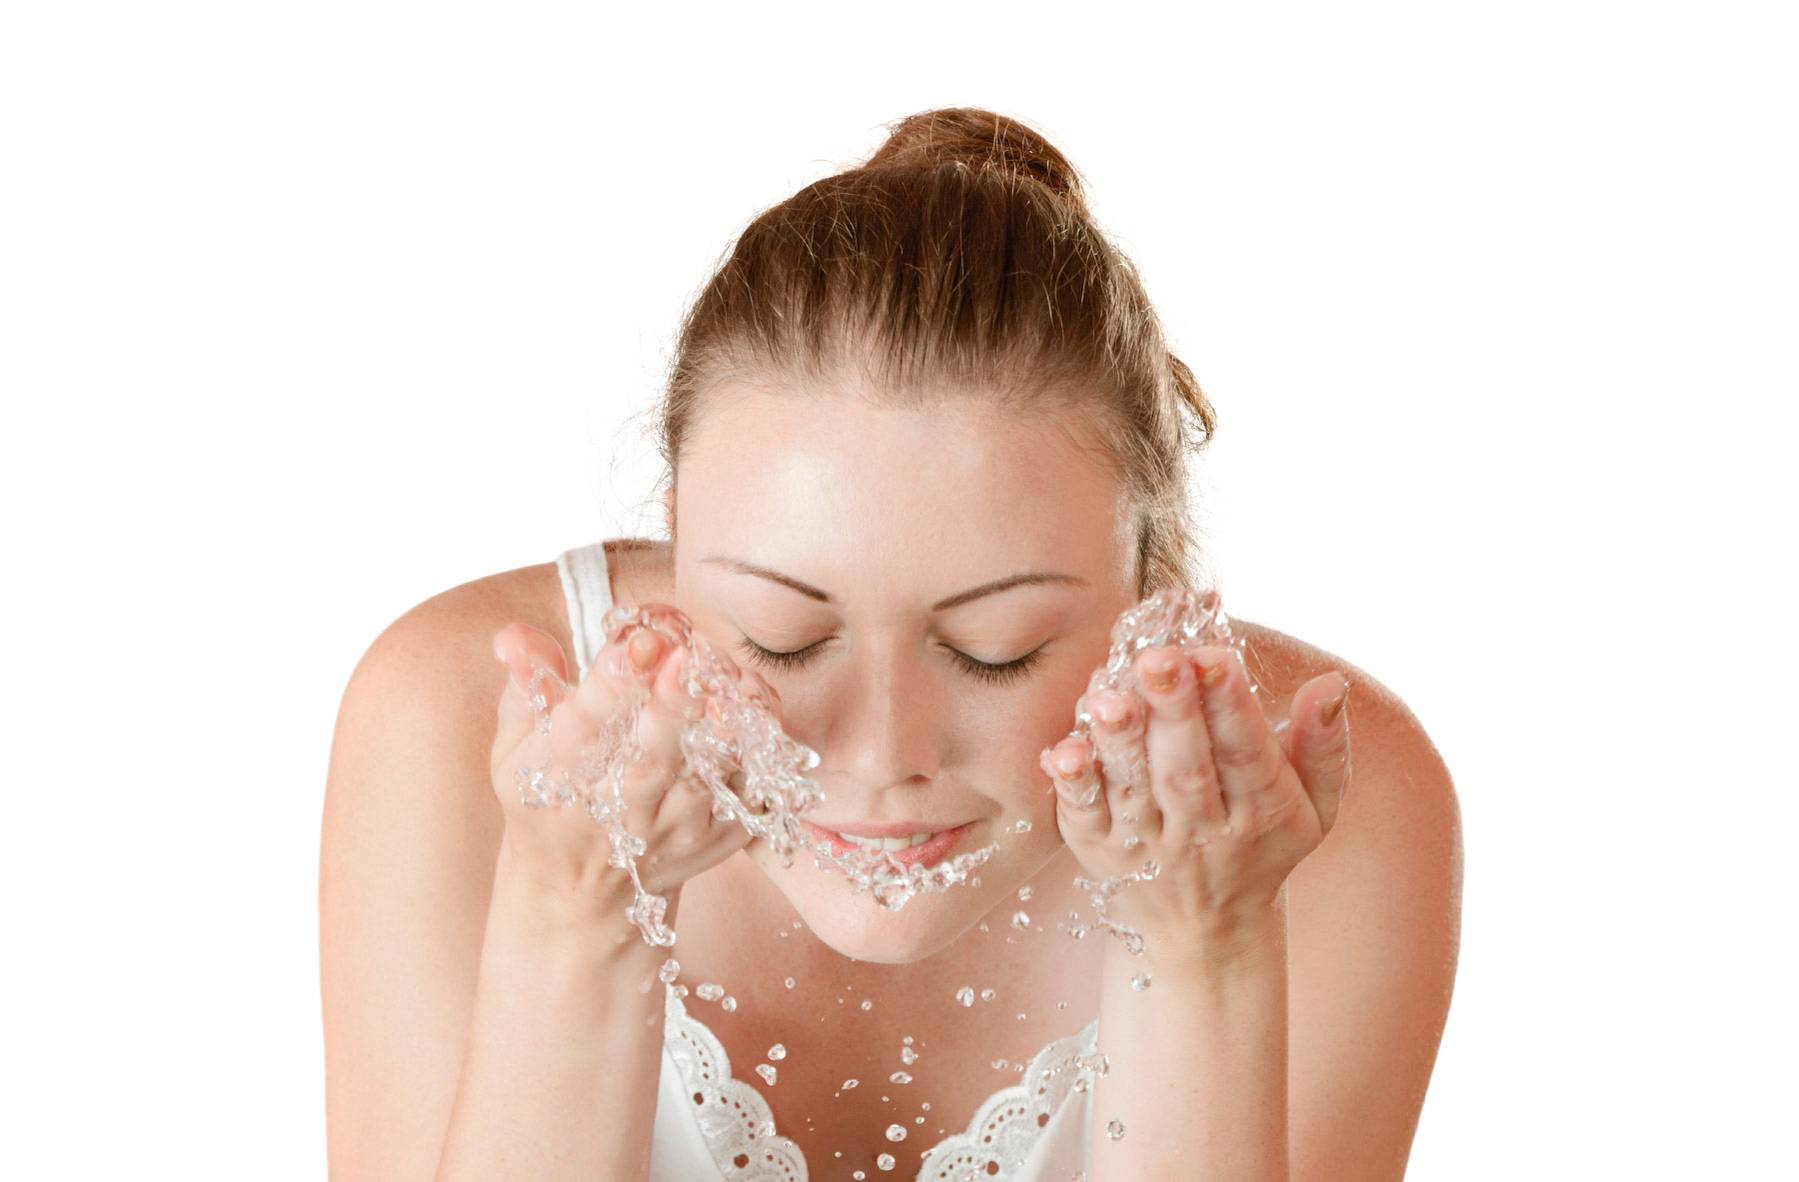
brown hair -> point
(960, 258)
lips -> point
(928, 853)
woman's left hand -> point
(1190, 776)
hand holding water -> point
(1184, 801)
(557, 744)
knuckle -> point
(1188, 781)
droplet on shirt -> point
(896, 1132)
(965, 995)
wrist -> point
(585, 912)
(1213, 942)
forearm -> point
(565, 1043)
(1197, 1062)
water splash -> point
(734, 735)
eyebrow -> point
(1028, 578)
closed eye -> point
(1002, 674)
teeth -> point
(887, 843)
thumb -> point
(1317, 742)
(536, 681)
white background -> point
(311, 311)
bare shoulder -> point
(410, 832)
(1374, 927)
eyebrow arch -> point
(738, 566)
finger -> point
(1082, 816)
(536, 683)
(1182, 778)
(1317, 742)
(1249, 762)
(1118, 731)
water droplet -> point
(907, 1040)
(965, 995)
(1115, 1129)
(1024, 894)
(908, 1056)
(858, 1176)
(899, 1077)
(896, 1132)
(777, 1052)
(728, 1005)
(671, 968)
(1000, 1064)
(885, 1161)
(926, 1106)
(709, 992)
(867, 1005)
(1021, 826)
(1021, 920)
(988, 995)
(1132, 842)
(848, 1084)
(788, 982)
(766, 1072)
(1021, 1017)
(1140, 982)
(918, 1120)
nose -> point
(886, 731)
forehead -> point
(794, 473)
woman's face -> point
(887, 517)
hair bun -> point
(981, 140)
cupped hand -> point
(1190, 775)
(565, 848)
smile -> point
(905, 845)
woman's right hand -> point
(561, 847)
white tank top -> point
(711, 1127)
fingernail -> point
(1109, 710)
(645, 649)
(1214, 675)
(1334, 706)
(1069, 764)
(1161, 671)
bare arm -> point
(469, 1009)
(489, 1011)
(567, 1029)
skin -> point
(851, 499)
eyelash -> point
(992, 674)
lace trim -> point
(735, 1120)
(1005, 1129)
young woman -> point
(925, 444)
